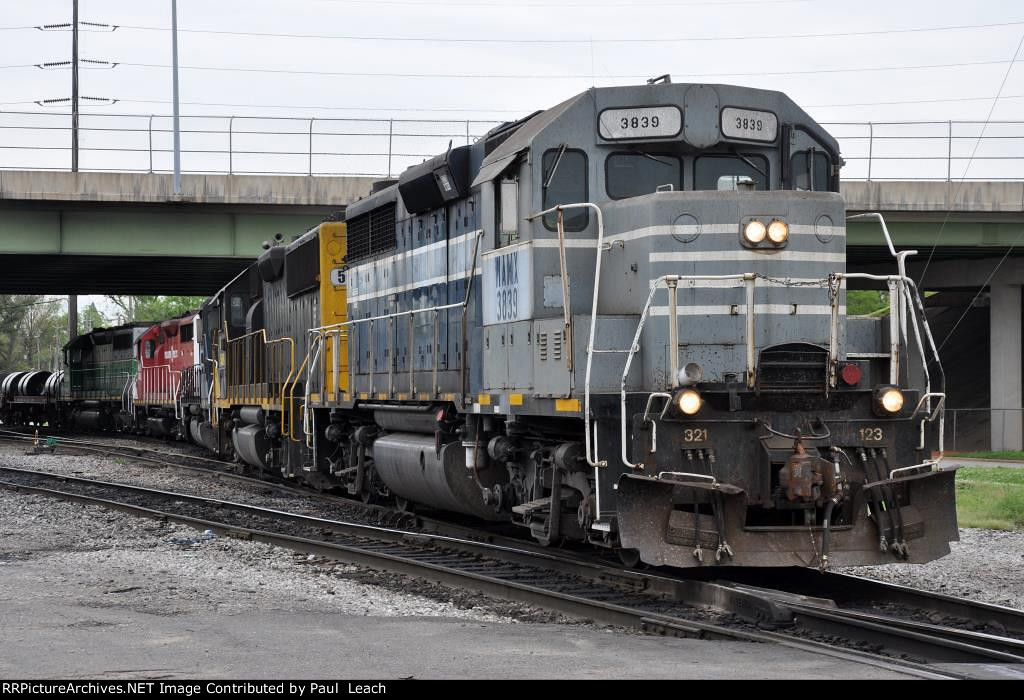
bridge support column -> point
(72, 317)
(1007, 390)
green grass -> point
(864, 302)
(990, 497)
(1000, 454)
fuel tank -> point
(94, 419)
(409, 464)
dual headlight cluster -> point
(755, 232)
(888, 401)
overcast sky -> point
(493, 61)
(575, 44)
(467, 59)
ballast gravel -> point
(184, 571)
(985, 565)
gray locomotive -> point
(622, 320)
(619, 321)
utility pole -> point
(177, 112)
(73, 299)
(74, 86)
(72, 317)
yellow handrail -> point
(291, 399)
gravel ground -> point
(986, 565)
(167, 569)
(125, 470)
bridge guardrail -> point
(274, 145)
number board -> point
(749, 124)
(508, 284)
(640, 123)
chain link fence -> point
(981, 429)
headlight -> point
(889, 399)
(778, 231)
(688, 401)
(754, 231)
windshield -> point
(730, 172)
(633, 174)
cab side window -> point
(564, 181)
(811, 169)
(150, 349)
(237, 316)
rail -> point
(948, 150)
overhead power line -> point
(956, 195)
(579, 76)
(986, 98)
(611, 40)
(609, 6)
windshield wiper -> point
(748, 162)
(554, 166)
(649, 156)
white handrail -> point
(655, 284)
(588, 448)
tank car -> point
(30, 398)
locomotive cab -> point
(676, 259)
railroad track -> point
(225, 471)
(609, 595)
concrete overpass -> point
(106, 233)
(976, 229)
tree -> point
(90, 317)
(158, 308)
(32, 331)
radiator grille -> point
(371, 233)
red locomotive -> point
(168, 353)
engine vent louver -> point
(795, 367)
